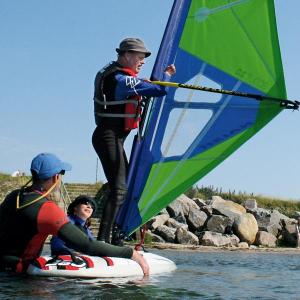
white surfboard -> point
(98, 267)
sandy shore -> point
(170, 246)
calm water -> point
(217, 275)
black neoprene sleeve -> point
(75, 238)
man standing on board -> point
(117, 107)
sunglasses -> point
(87, 203)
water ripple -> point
(200, 275)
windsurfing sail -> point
(226, 44)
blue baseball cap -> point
(46, 165)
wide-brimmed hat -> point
(82, 199)
(133, 44)
(46, 165)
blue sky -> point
(50, 52)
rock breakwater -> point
(222, 223)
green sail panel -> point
(242, 44)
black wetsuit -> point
(116, 84)
(24, 230)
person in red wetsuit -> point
(28, 216)
(117, 108)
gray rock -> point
(218, 223)
(243, 245)
(167, 233)
(296, 215)
(163, 212)
(260, 212)
(187, 204)
(175, 224)
(289, 232)
(184, 236)
(217, 198)
(182, 203)
(207, 209)
(269, 220)
(175, 209)
(250, 204)
(158, 221)
(180, 218)
(199, 202)
(196, 219)
(265, 239)
(208, 238)
(155, 238)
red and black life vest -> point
(24, 230)
(108, 110)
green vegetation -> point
(286, 207)
(7, 177)
(8, 183)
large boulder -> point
(180, 218)
(196, 219)
(163, 212)
(227, 208)
(289, 232)
(218, 223)
(260, 212)
(158, 221)
(296, 215)
(199, 202)
(246, 228)
(243, 245)
(215, 198)
(175, 224)
(207, 209)
(155, 238)
(208, 238)
(167, 233)
(269, 220)
(265, 239)
(250, 204)
(181, 204)
(184, 236)
(187, 204)
(175, 209)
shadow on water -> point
(200, 275)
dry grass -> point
(285, 206)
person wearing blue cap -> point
(118, 98)
(28, 216)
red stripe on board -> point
(108, 260)
(40, 262)
(88, 261)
